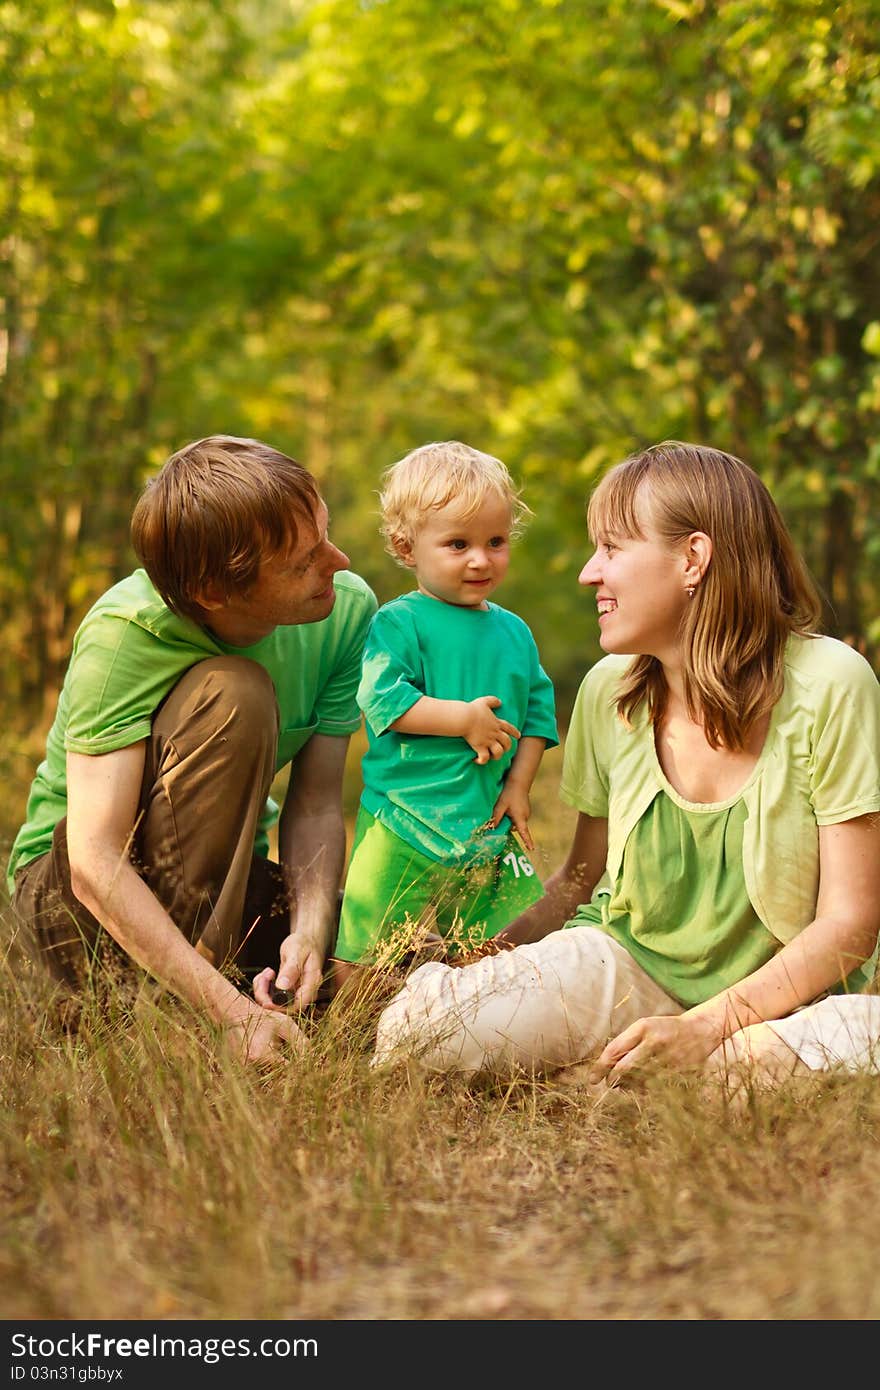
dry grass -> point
(145, 1174)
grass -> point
(145, 1174)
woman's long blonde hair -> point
(753, 595)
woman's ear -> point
(697, 557)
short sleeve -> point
(120, 672)
(589, 744)
(540, 720)
(845, 761)
(336, 708)
(392, 680)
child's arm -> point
(514, 798)
(472, 720)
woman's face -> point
(641, 593)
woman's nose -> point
(591, 572)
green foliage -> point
(556, 229)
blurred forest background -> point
(557, 229)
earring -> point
(691, 590)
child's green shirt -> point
(426, 788)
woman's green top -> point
(701, 895)
(680, 906)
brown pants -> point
(209, 763)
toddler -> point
(458, 714)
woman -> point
(725, 765)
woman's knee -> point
(755, 1054)
(542, 1006)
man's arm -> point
(311, 847)
(102, 804)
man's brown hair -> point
(216, 510)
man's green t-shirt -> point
(131, 650)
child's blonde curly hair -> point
(432, 477)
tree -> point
(557, 228)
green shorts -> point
(393, 892)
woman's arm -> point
(841, 936)
(571, 884)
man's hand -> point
(300, 973)
(489, 736)
(683, 1043)
(102, 804)
(311, 845)
(514, 802)
(260, 1036)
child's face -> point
(462, 562)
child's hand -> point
(514, 802)
(489, 736)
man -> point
(235, 650)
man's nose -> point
(337, 559)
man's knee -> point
(232, 686)
(225, 700)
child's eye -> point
(497, 542)
(609, 547)
(458, 545)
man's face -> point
(296, 587)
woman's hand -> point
(682, 1042)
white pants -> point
(558, 1001)
(539, 1007)
(842, 1031)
